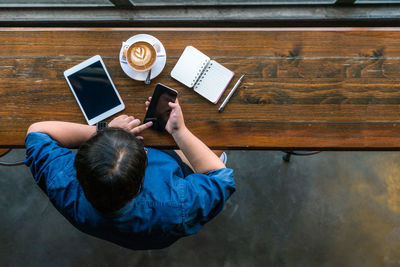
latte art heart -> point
(140, 52)
(141, 56)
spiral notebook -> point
(207, 77)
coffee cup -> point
(140, 55)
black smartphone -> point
(159, 110)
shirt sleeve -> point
(204, 196)
(46, 158)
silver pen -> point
(230, 94)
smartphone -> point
(159, 110)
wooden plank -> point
(317, 88)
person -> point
(116, 189)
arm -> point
(66, 133)
(74, 134)
(199, 155)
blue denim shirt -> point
(170, 205)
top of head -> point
(141, 55)
(110, 167)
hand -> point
(175, 122)
(130, 124)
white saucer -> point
(158, 66)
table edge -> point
(146, 29)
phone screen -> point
(159, 110)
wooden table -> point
(305, 88)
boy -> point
(117, 190)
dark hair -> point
(110, 167)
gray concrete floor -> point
(331, 209)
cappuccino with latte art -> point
(140, 56)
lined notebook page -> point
(214, 81)
(189, 66)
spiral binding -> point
(203, 74)
(200, 72)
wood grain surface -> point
(326, 89)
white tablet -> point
(94, 90)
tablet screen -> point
(94, 90)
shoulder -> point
(161, 162)
(36, 138)
(52, 167)
(46, 157)
(223, 176)
(39, 145)
(203, 196)
(212, 187)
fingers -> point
(141, 128)
(147, 103)
(131, 118)
(173, 105)
(133, 123)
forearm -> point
(198, 154)
(66, 133)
